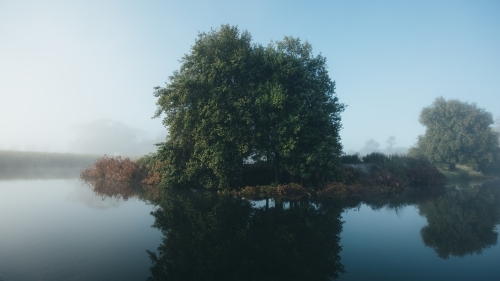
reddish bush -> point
(118, 169)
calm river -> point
(63, 229)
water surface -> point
(61, 229)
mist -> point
(388, 147)
(113, 138)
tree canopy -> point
(458, 133)
(233, 101)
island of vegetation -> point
(264, 121)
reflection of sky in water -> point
(82, 193)
(262, 203)
(59, 230)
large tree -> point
(458, 133)
(298, 114)
(233, 100)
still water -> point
(62, 229)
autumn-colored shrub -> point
(146, 170)
(114, 168)
(152, 169)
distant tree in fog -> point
(458, 133)
(391, 141)
(370, 146)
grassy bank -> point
(463, 173)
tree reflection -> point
(212, 237)
(113, 189)
(463, 221)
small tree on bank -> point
(458, 133)
(233, 100)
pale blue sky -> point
(68, 63)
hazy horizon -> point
(78, 76)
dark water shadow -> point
(220, 237)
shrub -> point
(146, 170)
(114, 168)
(352, 175)
(376, 158)
(350, 159)
(397, 171)
(152, 169)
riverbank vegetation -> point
(145, 170)
(462, 172)
(264, 121)
(373, 173)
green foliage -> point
(412, 171)
(233, 100)
(350, 159)
(375, 158)
(458, 133)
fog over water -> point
(78, 76)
